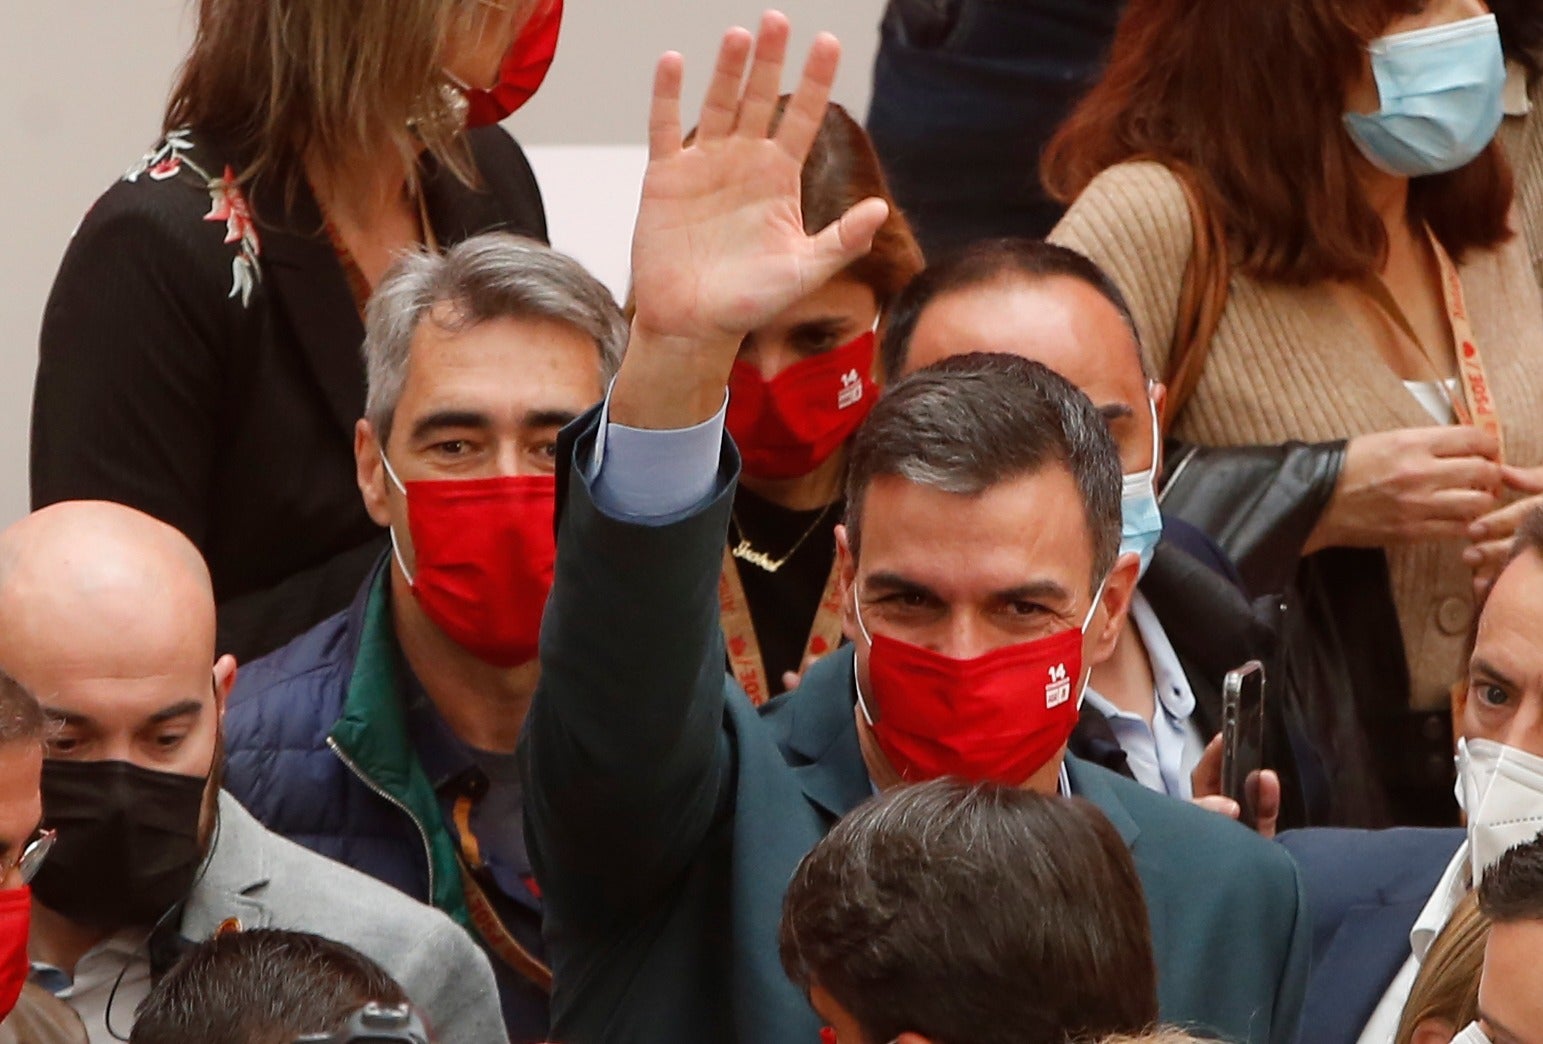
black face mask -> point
(128, 847)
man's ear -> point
(370, 473)
(846, 583)
(1114, 607)
(1159, 403)
(224, 681)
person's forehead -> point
(1029, 527)
(1061, 322)
(842, 296)
(500, 358)
(115, 701)
(1511, 625)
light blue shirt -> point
(1163, 754)
(656, 476)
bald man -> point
(107, 616)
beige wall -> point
(82, 84)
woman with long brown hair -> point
(200, 353)
(1306, 209)
(801, 386)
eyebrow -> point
(548, 418)
(176, 710)
(826, 326)
(1480, 667)
(1035, 590)
(443, 419)
(1113, 411)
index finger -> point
(805, 110)
(1463, 440)
(664, 133)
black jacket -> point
(205, 368)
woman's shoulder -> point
(1140, 198)
(1133, 221)
(506, 173)
(180, 202)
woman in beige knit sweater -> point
(1340, 207)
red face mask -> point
(485, 552)
(791, 424)
(523, 70)
(15, 923)
(1000, 717)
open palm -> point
(720, 246)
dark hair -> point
(1512, 889)
(981, 264)
(969, 422)
(1521, 32)
(21, 718)
(1529, 536)
(974, 915)
(262, 987)
(843, 170)
(1249, 99)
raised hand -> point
(720, 246)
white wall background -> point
(82, 85)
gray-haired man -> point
(385, 736)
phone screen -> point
(1243, 751)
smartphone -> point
(1243, 753)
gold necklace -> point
(746, 552)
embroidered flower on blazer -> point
(227, 203)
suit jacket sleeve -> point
(626, 759)
(455, 986)
(1292, 991)
(128, 391)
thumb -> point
(845, 240)
(1206, 779)
(1524, 480)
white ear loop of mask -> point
(396, 549)
(1145, 481)
(1471, 1034)
(857, 611)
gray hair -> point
(492, 276)
(972, 421)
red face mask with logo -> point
(484, 552)
(15, 923)
(523, 70)
(997, 718)
(791, 424)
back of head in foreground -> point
(1511, 987)
(263, 987)
(945, 913)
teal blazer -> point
(665, 815)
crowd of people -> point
(868, 632)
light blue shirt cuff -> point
(650, 475)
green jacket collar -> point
(373, 741)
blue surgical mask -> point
(1141, 522)
(1441, 91)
